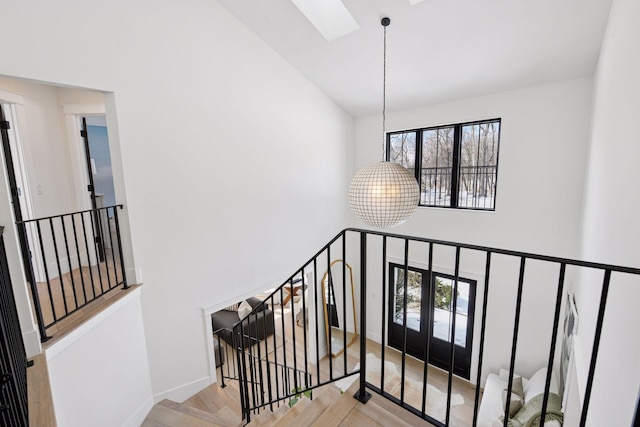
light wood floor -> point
(64, 294)
(41, 413)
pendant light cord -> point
(385, 22)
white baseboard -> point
(32, 343)
(137, 418)
(374, 336)
(181, 393)
(134, 276)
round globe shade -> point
(384, 194)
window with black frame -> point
(456, 165)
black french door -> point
(429, 316)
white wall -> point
(46, 153)
(543, 151)
(543, 148)
(235, 166)
(45, 147)
(99, 373)
(611, 231)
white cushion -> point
(244, 309)
(515, 403)
(504, 375)
(535, 385)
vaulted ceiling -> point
(437, 50)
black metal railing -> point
(224, 356)
(13, 359)
(229, 357)
(299, 343)
(505, 280)
(75, 258)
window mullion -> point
(418, 163)
(387, 147)
(455, 170)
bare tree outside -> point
(437, 166)
(478, 165)
(457, 165)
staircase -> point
(218, 407)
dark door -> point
(97, 217)
(417, 307)
(429, 317)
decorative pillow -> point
(244, 309)
(499, 422)
(504, 375)
(233, 307)
(536, 384)
(515, 404)
(517, 386)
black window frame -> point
(455, 174)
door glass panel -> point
(443, 306)
(101, 163)
(414, 299)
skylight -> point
(330, 17)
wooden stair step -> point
(213, 399)
(307, 411)
(341, 406)
(268, 418)
(189, 415)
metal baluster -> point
(430, 292)
(344, 303)
(383, 311)
(405, 291)
(55, 250)
(97, 248)
(293, 334)
(362, 395)
(552, 349)
(86, 245)
(487, 271)
(75, 237)
(66, 245)
(119, 239)
(596, 346)
(266, 352)
(46, 275)
(275, 351)
(516, 325)
(304, 332)
(453, 333)
(317, 328)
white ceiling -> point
(437, 50)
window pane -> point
(437, 164)
(443, 305)
(414, 299)
(403, 150)
(478, 165)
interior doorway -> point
(95, 138)
(15, 167)
(99, 158)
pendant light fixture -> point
(384, 194)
